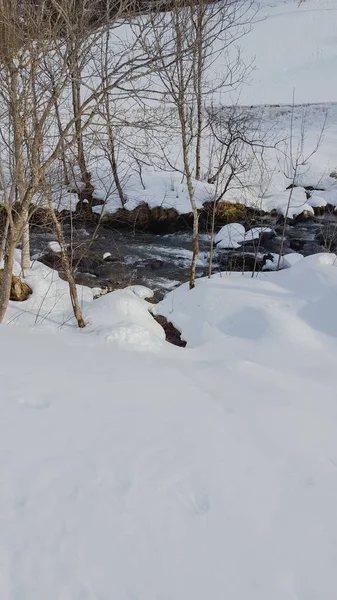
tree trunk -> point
(210, 262)
(188, 174)
(108, 120)
(4, 240)
(76, 100)
(5, 288)
(25, 239)
(66, 178)
(198, 90)
(68, 272)
(114, 167)
(285, 226)
(195, 246)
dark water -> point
(162, 262)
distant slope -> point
(295, 46)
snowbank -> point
(244, 313)
(49, 306)
(123, 318)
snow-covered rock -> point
(230, 236)
(289, 203)
(54, 247)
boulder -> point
(20, 290)
(154, 264)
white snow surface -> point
(234, 235)
(54, 247)
(288, 203)
(171, 473)
(293, 45)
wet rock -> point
(155, 264)
(97, 202)
(297, 244)
(86, 261)
(173, 335)
(108, 258)
(112, 271)
(265, 236)
(312, 248)
(52, 260)
(87, 279)
(311, 188)
(319, 210)
(143, 218)
(232, 261)
(306, 215)
(275, 245)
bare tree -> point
(238, 146)
(296, 159)
(199, 32)
(42, 55)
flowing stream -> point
(161, 262)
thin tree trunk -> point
(210, 262)
(25, 239)
(112, 155)
(68, 272)
(188, 174)
(198, 90)
(5, 288)
(76, 101)
(85, 176)
(195, 246)
(63, 154)
(108, 120)
(4, 239)
(284, 227)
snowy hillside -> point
(295, 48)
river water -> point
(162, 262)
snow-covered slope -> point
(294, 47)
(205, 472)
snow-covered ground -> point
(293, 45)
(133, 469)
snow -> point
(49, 305)
(123, 318)
(170, 472)
(230, 236)
(141, 291)
(255, 232)
(164, 189)
(288, 203)
(294, 48)
(54, 247)
(136, 470)
(327, 196)
(234, 235)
